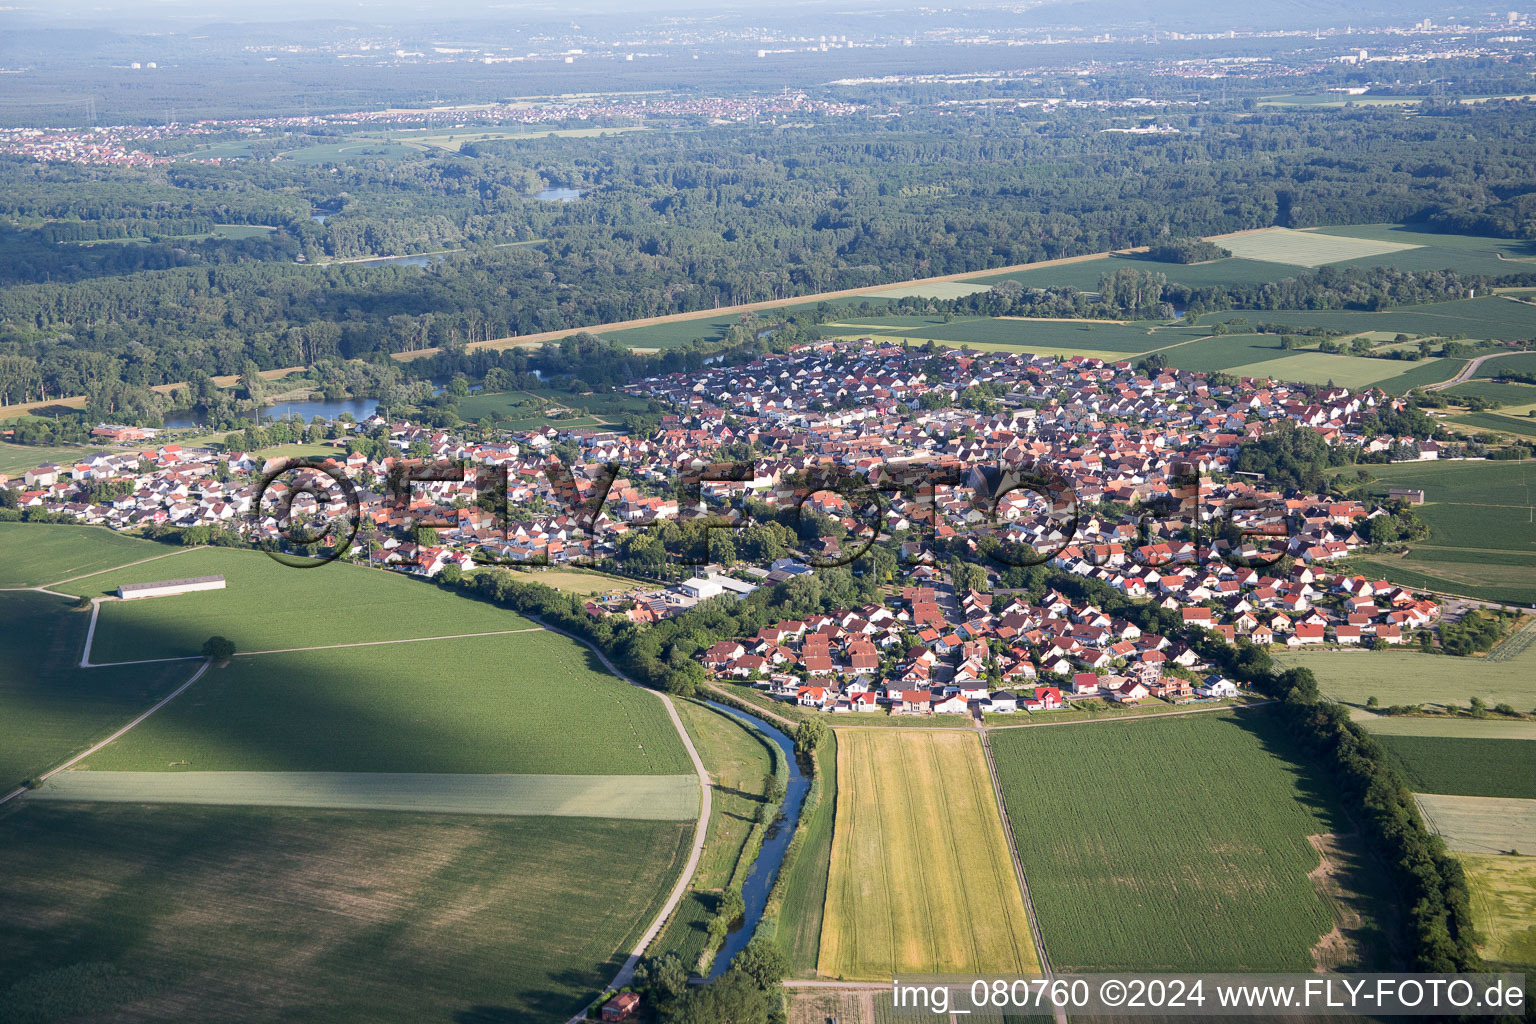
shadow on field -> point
(1349, 878)
(62, 920)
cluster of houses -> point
(1121, 439)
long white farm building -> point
(165, 588)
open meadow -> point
(268, 606)
(16, 459)
(1189, 844)
(1480, 824)
(33, 554)
(50, 708)
(133, 912)
(1462, 726)
(1411, 677)
(921, 879)
(528, 703)
(1503, 907)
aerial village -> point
(1119, 436)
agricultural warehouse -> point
(166, 588)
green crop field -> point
(528, 703)
(1481, 824)
(920, 879)
(141, 912)
(651, 797)
(739, 765)
(805, 896)
(1492, 422)
(1493, 391)
(1409, 677)
(1466, 767)
(1183, 844)
(1226, 351)
(1503, 907)
(33, 554)
(1482, 540)
(1489, 317)
(269, 606)
(51, 709)
(1524, 363)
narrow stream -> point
(765, 869)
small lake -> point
(559, 195)
(360, 408)
(318, 218)
(765, 869)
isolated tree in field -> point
(218, 648)
(809, 734)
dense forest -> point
(677, 220)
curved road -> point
(1468, 371)
(627, 972)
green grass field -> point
(1503, 907)
(1305, 248)
(269, 606)
(1481, 824)
(1181, 844)
(1524, 363)
(33, 554)
(16, 459)
(154, 913)
(1464, 767)
(805, 896)
(524, 409)
(1043, 336)
(1409, 677)
(649, 797)
(528, 703)
(50, 709)
(739, 766)
(920, 879)
(1485, 422)
(1353, 372)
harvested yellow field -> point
(921, 878)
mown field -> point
(268, 606)
(1409, 677)
(1180, 844)
(1468, 767)
(739, 766)
(1306, 248)
(656, 797)
(50, 708)
(1481, 824)
(921, 880)
(33, 554)
(1503, 907)
(527, 703)
(525, 409)
(159, 913)
(16, 459)
(800, 919)
(1493, 727)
